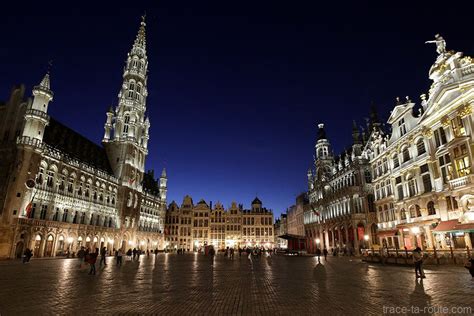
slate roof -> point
(70, 142)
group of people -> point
(324, 253)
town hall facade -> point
(60, 191)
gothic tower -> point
(36, 117)
(127, 147)
(126, 128)
(324, 156)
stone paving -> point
(171, 284)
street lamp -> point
(366, 238)
(415, 230)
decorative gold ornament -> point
(427, 132)
(465, 110)
(445, 121)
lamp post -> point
(366, 239)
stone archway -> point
(48, 249)
(19, 249)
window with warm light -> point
(458, 127)
(462, 161)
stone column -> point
(468, 241)
(429, 237)
(326, 238)
(356, 240)
(346, 233)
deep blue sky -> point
(235, 88)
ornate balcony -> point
(37, 114)
(29, 141)
(461, 182)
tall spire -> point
(139, 46)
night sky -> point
(236, 88)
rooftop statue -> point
(440, 44)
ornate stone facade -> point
(60, 191)
(422, 171)
(192, 227)
(340, 209)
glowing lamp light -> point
(366, 237)
(142, 242)
(130, 242)
(415, 230)
(111, 241)
(318, 241)
(70, 239)
(38, 237)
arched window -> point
(420, 146)
(431, 208)
(406, 154)
(396, 162)
(403, 214)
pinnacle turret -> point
(139, 46)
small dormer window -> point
(401, 127)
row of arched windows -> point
(67, 182)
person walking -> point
(81, 255)
(318, 254)
(27, 255)
(129, 253)
(93, 260)
(119, 257)
(212, 253)
(325, 253)
(134, 252)
(418, 261)
(103, 254)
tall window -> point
(398, 182)
(420, 146)
(401, 127)
(44, 211)
(458, 127)
(403, 214)
(431, 208)
(440, 137)
(385, 165)
(388, 186)
(406, 154)
(412, 187)
(131, 89)
(65, 215)
(126, 125)
(83, 217)
(50, 178)
(461, 159)
(396, 163)
(446, 168)
(426, 178)
(33, 210)
(56, 215)
(452, 203)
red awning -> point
(447, 226)
(465, 227)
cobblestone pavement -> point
(171, 284)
